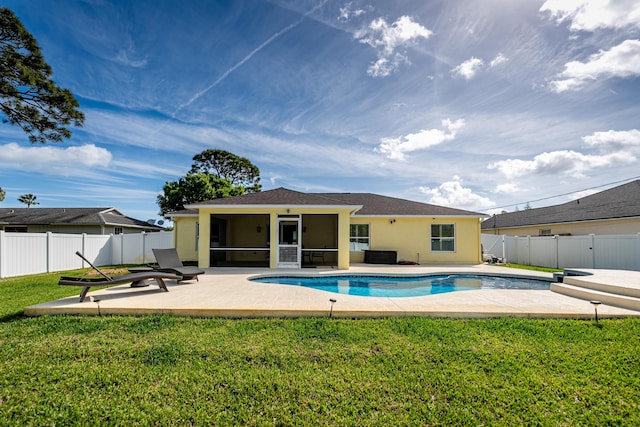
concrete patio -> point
(227, 292)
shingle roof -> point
(71, 216)
(277, 197)
(618, 202)
(375, 204)
(367, 204)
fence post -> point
(504, 250)
(528, 250)
(557, 239)
(144, 246)
(84, 244)
(593, 250)
(2, 254)
(637, 266)
(113, 250)
(48, 251)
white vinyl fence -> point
(618, 252)
(33, 253)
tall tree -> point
(29, 98)
(214, 174)
(28, 199)
(193, 188)
(223, 164)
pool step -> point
(619, 296)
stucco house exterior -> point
(609, 212)
(282, 228)
(71, 221)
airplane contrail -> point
(246, 58)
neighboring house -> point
(613, 211)
(283, 228)
(71, 221)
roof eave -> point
(543, 224)
(115, 224)
(273, 206)
(183, 215)
(421, 216)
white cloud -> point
(590, 15)
(128, 59)
(472, 66)
(388, 39)
(499, 59)
(469, 68)
(622, 61)
(454, 194)
(346, 13)
(507, 188)
(53, 160)
(383, 66)
(614, 140)
(395, 148)
(560, 162)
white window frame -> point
(441, 239)
(355, 246)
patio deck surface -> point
(227, 292)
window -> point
(358, 237)
(443, 238)
(118, 230)
(544, 232)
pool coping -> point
(228, 293)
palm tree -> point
(2, 194)
(28, 199)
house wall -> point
(411, 238)
(603, 227)
(186, 238)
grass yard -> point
(530, 267)
(160, 370)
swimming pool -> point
(405, 286)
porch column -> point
(344, 220)
(204, 239)
(273, 240)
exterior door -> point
(289, 250)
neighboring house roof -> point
(362, 204)
(618, 202)
(72, 216)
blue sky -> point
(480, 105)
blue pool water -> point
(404, 286)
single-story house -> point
(71, 221)
(283, 228)
(613, 211)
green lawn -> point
(160, 370)
(530, 267)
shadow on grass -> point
(11, 317)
